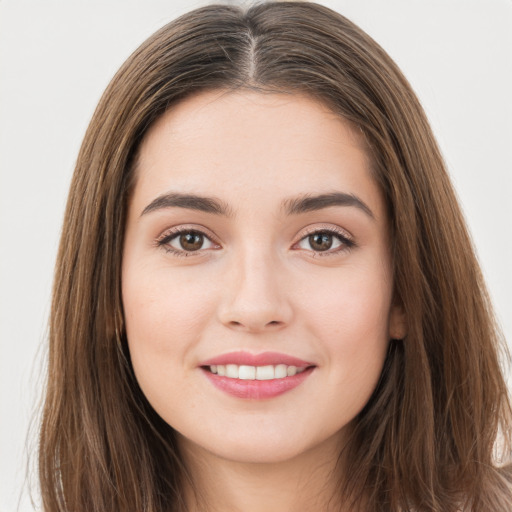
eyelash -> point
(164, 240)
(346, 242)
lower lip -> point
(257, 389)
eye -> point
(327, 241)
(185, 241)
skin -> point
(258, 284)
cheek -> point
(353, 305)
(165, 317)
(351, 321)
(165, 314)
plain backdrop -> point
(56, 58)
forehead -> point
(243, 146)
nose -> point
(255, 298)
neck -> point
(308, 482)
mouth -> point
(246, 372)
(256, 377)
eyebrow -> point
(292, 206)
(189, 201)
(309, 203)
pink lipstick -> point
(256, 376)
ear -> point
(397, 322)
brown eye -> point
(187, 241)
(191, 241)
(320, 241)
(325, 241)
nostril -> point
(238, 325)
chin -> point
(261, 446)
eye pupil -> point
(320, 241)
(191, 241)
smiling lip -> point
(263, 359)
(256, 389)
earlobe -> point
(397, 323)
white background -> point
(56, 58)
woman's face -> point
(257, 282)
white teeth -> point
(232, 371)
(281, 371)
(264, 372)
(245, 372)
(291, 371)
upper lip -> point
(263, 359)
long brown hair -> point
(426, 441)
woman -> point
(266, 297)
